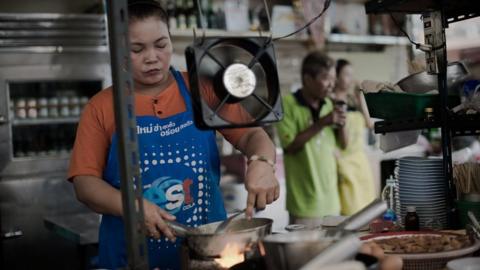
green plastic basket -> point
(465, 206)
(395, 106)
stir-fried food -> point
(423, 243)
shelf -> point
(403, 125)
(461, 125)
(465, 125)
(45, 121)
(455, 10)
(37, 157)
(367, 39)
(188, 34)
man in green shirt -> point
(309, 133)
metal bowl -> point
(292, 250)
(422, 82)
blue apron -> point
(180, 170)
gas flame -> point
(231, 255)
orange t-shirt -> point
(97, 126)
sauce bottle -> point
(412, 222)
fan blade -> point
(219, 107)
(256, 57)
(231, 54)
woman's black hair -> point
(341, 63)
(142, 9)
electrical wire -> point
(267, 10)
(202, 20)
(417, 44)
(326, 4)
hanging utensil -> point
(475, 225)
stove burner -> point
(251, 264)
(192, 261)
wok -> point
(205, 242)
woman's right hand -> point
(155, 221)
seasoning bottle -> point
(388, 195)
(412, 222)
(429, 116)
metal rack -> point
(437, 15)
(125, 120)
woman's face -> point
(151, 51)
(345, 78)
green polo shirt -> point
(311, 173)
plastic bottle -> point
(388, 195)
(412, 222)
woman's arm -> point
(364, 109)
(102, 198)
(260, 181)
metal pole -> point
(435, 24)
(125, 121)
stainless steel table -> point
(81, 228)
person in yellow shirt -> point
(356, 186)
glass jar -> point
(53, 107)
(32, 108)
(20, 108)
(74, 106)
(42, 107)
(412, 222)
(64, 108)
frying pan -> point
(205, 242)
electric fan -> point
(234, 82)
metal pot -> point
(290, 251)
(422, 82)
(242, 232)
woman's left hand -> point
(262, 186)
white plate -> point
(421, 194)
(332, 221)
(471, 263)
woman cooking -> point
(179, 163)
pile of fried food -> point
(423, 243)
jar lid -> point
(411, 209)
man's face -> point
(322, 84)
(151, 50)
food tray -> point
(396, 106)
(425, 261)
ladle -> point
(223, 226)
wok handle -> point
(179, 229)
(364, 216)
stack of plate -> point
(421, 184)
